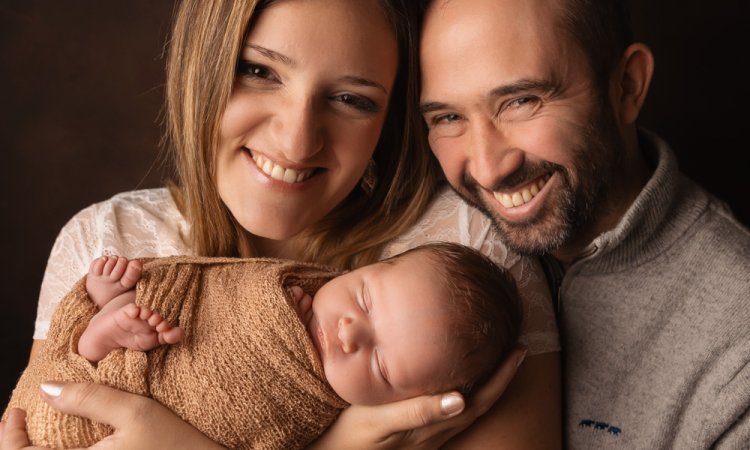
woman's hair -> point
(484, 311)
(206, 42)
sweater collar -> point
(665, 207)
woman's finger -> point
(94, 401)
(13, 432)
(416, 413)
(425, 422)
(137, 420)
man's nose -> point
(492, 155)
(353, 334)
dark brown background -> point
(81, 89)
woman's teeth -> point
(279, 173)
(521, 196)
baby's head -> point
(435, 318)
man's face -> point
(514, 118)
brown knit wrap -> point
(246, 373)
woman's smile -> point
(278, 171)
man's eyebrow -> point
(546, 86)
(428, 107)
(270, 54)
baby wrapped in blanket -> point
(247, 373)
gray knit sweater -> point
(655, 323)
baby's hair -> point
(484, 311)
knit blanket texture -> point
(246, 373)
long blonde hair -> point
(207, 38)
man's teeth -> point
(277, 172)
(522, 196)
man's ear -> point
(631, 81)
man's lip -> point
(525, 210)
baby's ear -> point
(631, 81)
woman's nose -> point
(353, 334)
(298, 130)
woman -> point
(294, 131)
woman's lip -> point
(281, 171)
(274, 184)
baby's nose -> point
(351, 334)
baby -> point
(383, 332)
(435, 318)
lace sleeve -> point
(451, 219)
(135, 224)
(74, 249)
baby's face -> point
(380, 331)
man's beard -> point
(573, 206)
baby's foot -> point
(131, 326)
(110, 276)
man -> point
(531, 107)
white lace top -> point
(147, 223)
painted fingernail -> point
(51, 389)
(451, 404)
(521, 358)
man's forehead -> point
(518, 12)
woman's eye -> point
(254, 71)
(357, 102)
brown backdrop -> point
(81, 89)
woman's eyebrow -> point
(276, 56)
(271, 54)
(360, 81)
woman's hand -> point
(425, 422)
(139, 422)
(13, 431)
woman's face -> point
(306, 111)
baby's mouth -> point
(522, 195)
(279, 172)
(318, 337)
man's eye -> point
(522, 101)
(521, 108)
(446, 118)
